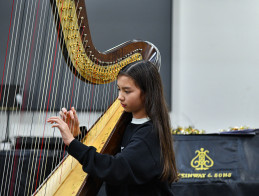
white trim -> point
(139, 120)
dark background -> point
(111, 23)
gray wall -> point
(215, 63)
(116, 21)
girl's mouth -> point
(123, 105)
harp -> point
(68, 47)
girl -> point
(146, 163)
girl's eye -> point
(127, 92)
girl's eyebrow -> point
(126, 87)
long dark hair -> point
(147, 78)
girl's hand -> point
(63, 127)
(70, 117)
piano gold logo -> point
(202, 161)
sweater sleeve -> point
(83, 132)
(135, 164)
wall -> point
(215, 63)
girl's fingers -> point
(71, 114)
(63, 128)
(54, 119)
(51, 118)
(74, 112)
(59, 123)
(62, 115)
(64, 110)
(55, 125)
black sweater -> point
(133, 171)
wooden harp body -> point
(93, 67)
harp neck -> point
(90, 64)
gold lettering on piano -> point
(206, 175)
(202, 161)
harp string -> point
(46, 148)
(31, 89)
(28, 72)
(18, 76)
(52, 72)
(41, 104)
(4, 112)
(6, 50)
(7, 93)
(4, 185)
(67, 88)
(29, 54)
(43, 170)
(43, 117)
(72, 83)
(54, 161)
(29, 105)
(18, 144)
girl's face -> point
(131, 97)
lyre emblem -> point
(202, 161)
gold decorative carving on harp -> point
(88, 65)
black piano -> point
(225, 164)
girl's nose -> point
(120, 97)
